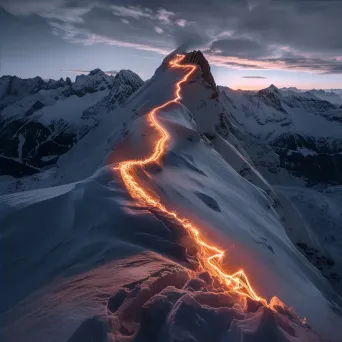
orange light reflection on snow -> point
(210, 256)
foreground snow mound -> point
(151, 299)
(171, 306)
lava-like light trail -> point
(209, 255)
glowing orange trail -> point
(210, 256)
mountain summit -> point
(197, 57)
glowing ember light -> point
(210, 257)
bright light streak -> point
(210, 256)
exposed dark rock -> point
(197, 57)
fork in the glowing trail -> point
(210, 256)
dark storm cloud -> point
(255, 77)
(239, 47)
(323, 66)
(257, 34)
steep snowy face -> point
(43, 120)
(303, 130)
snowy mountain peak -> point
(272, 88)
(128, 77)
(271, 91)
(96, 80)
(271, 96)
(125, 83)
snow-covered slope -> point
(295, 140)
(42, 120)
(98, 266)
(322, 210)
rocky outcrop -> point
(197, 57)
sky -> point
(249, 44)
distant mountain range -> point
(332, 95)
(40, 120)
(304, 130)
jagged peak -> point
(272, 89)
(194, 57)
(95, 72)
(125, 75)
(125, 72)
(197, 57)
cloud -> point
(83, 36)
(251, 34)
(135, 12)
(165, 16)
(52, 9)
(181, 22)
(158, 29)
(25, 7)
(239, 47)
(255, 77)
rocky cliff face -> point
(197, 57)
